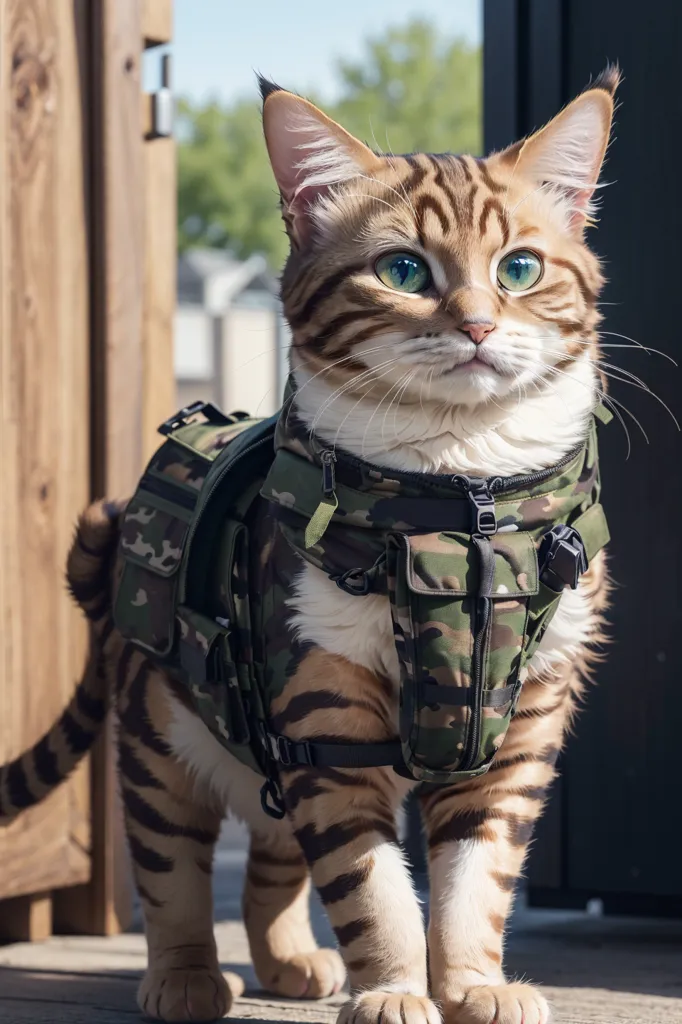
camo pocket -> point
(459, 646)
(153, 535)
(207, 658)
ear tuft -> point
(267, 87)
(609, 79)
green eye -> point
(403, 272)
(519, 270)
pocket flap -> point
(152, 537)
(447, 564)
(200, 647)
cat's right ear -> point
(566, 155)
(309, 154)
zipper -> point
(328, 458)
(496, 484)
(484, 526)
(478, 659)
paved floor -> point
(595, 970)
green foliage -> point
(226, 192)
(411, 91)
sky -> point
(218, 44)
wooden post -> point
(160, 249)
(44, 449)
(87, 286)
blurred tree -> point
(413, 91)
(410, 91)
(226, 192)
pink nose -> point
(477, 332)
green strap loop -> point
(320, 520)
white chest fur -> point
(361, 629)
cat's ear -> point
(566, 155)
(309, 154)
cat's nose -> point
(477, 331)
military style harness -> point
(214, 538)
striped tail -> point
(31, 776)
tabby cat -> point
(444, 318)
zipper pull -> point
(321, 517)
(328, 472)
(482, 502)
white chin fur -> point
(424, 431)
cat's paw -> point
(515, 1003)
(388, 1008)
(184, 994)
(307, 976)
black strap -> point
(289, 753)
(463, 696)
(309, 753)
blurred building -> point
(230, 338)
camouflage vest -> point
(473, 569)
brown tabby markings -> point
(341, 827)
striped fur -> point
(384, 375)
(27, 779)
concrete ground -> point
(594, 970)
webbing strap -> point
(289, 753)
(463, 696)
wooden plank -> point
(157, 22)
(122, 258)
(104, 906)
(26, 918)
(160, 247)
(44, 412)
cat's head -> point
(471, 275)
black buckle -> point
(287, 752)
(353, 581)
(483, 508)
(207, 409)
(562, 558)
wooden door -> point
(87, 268)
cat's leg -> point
(478, 832)
(285, 955)
(344, 821)
(172, 829)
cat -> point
(444, 319)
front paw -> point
(184, 994)
(515, 1003)
(307, 975)
(388, 1008)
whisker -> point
(626, 378)
(608, 399)
(352, 409)
(625, 337)
(376, 409)
(399, 396)
(325, 370)
(348, 386)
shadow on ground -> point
(595, 970)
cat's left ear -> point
(309, 154)
(567, 153)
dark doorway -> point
(612, 828)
